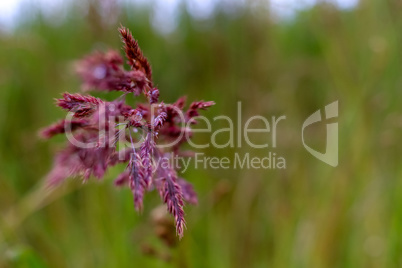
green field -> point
(307, 215)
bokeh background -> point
(278, 58)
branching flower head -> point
(102, 133)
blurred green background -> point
(307, 215)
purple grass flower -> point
(102, 134)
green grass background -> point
(308, 215)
